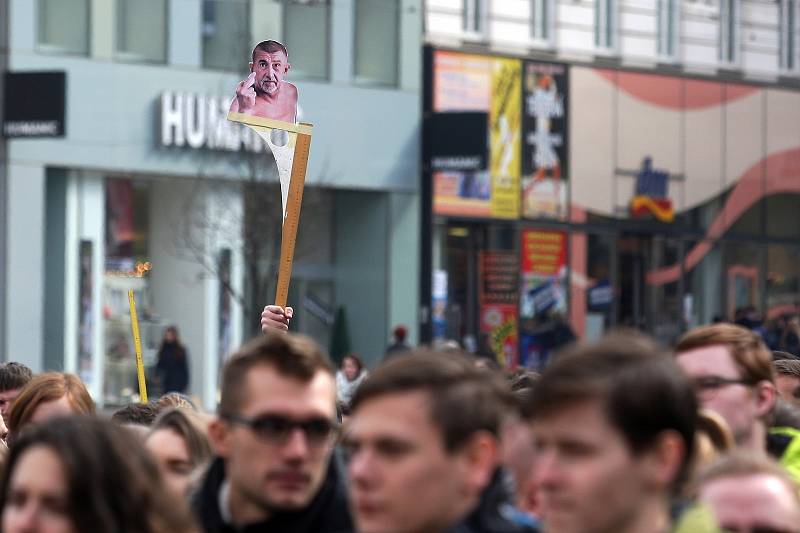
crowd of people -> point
(615, 436)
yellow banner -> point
(505, 137)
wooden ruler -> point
(137, 344)
(292, 221)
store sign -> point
(457, 141)
(651, 196)
(200, 122)
(34, 104)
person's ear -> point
(480, 458)
(286, 68)
(219, 436)
(250, 65)
(663, 461)
(766, 396)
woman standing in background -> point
(172, 368)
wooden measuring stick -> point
(137, 343)
(292, 221)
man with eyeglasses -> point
(731, 369)
(274, 437)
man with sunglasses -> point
(274, 437)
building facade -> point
(149, 188)
(635, 163)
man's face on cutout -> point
(270, 69)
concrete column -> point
(24, 312)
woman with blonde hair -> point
(48, 395)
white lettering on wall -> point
(200, 121)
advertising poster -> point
(544, 270)
(505, 138)
(439, 301)
(543, 292)
(498, 298)
(465, 86)
(545, 155)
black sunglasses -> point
(277, 429)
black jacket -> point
(172, 368)
(327, 512)
(494, 513)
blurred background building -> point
(616, 163)
(124, 174)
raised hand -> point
(246, 94)
(276, 318)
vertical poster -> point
(85, 315)
(473, 84)
(545, 155)
(439, 310)
(505, 131)
(499, 275)
(543, 292)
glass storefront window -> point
(376, 27)
(783, 216)
(743, 264)
(305, 27)
(226, 34)
(63, 26)
(127, 263)
(142, 31)
(704, 285)
(597, 285)
(782, 286)
(668, 305)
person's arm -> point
(245, 99)
(276, 318)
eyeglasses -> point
(712, 383)
(757, 529)
(277, 429)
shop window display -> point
(127, 268)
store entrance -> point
(646, 300)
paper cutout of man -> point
(265, 93)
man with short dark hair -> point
(614, 432)
(423, 448)
(13, 376)
(274, 436)
(264, 93)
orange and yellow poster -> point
(505, 132)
